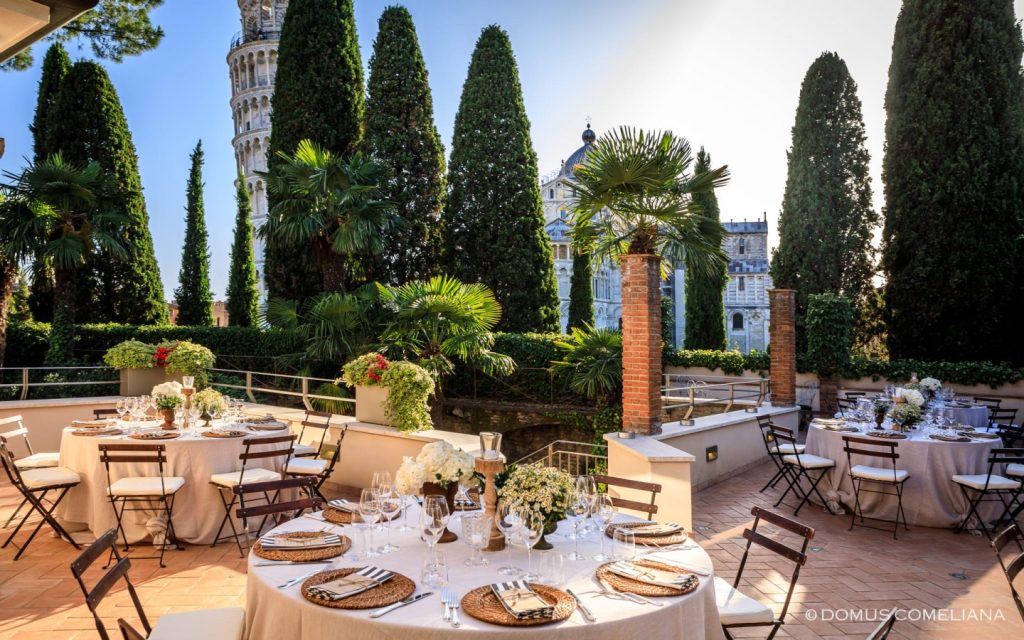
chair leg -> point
(794, 484)
(857, 509)
(899, 511)
(14, 515)
(227, 519)
(973, 510)
(814, 488)
(47, 518)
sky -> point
(725, 74)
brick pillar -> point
(783, 346)
(641, 344)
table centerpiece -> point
(437, 470)
(167, 397)
(544, 491)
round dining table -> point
(930, 497)
(198, 508)
(273, 612)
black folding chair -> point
(774, 452)
(31, 460)
(35, 485)
(738, 610)
(1002, 421)
(854, 395)
(227, 481)
(801, 465)
(99, 414)
(276, 507)
(141, 491)
(316, 468)
(991, 487)
(991, 403)
(315, 420)
(1010, 534)
(883, 630)
(187, 625)
(846, 404)
(1013, 567)
(887, 476)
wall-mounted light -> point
(711, 453)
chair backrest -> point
(883, 630)
(764, 423)
(104, 413)
(21, 431)
(7, 458)
(783, 436)
(276, 452)
(855, 394)
(138, 453)
(797, 556)
(1010, 534)
(650, 508)
(1012, 570)
(846, 404)
(885, 449)
(105, 545)
(306, 483)
(329, 469)
(1002, 417)
(316, 420)
(991, 403)
(1002, 456)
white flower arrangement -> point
(437, 462)
(171, 388)
(905, 413)
(911, 396)
(542, 490)
(931, 385)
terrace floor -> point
(862, 570)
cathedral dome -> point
(569, 166)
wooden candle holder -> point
(489, 496)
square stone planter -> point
(139, 382)
(370, 401)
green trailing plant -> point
(592, 360)
(409, 387)
(705, 309)
(191, 359)
(366, 370)
(131, 354)
(195, 301)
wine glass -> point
(369, 511)
(575, 513)
(590, 489)
(122, 408)
(390, 504)
(404, 494)
(529, 535)
(432, 524)
(508, 521)
(380, 483)
(476, 530)
(603, 512)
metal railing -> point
(26, 378)
(250, 388)
(575, 458)
(689, 391)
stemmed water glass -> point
(433, 520)
(575, 513)
(603, 512)
(390, 504)
(589, 489)
(369, 511)
(122, 408)
(529, 535)
(380, 483)
(509, 522)
(404, 496)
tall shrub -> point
(195, 302)
(400, 134)
(318, 95)
(705, 306)
(827, 221)
(581, 292)
(243, 294)
(954, 192)
(494, 223)
(829, 341)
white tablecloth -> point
(272, 613)
(930, 497)
(974, 416)
(198, 509)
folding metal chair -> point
(991, 403)
(775, 453)
(141, 490)
(99, 414)
(34, 485)
(738, 610)
(314, 420)
(801, 465)
(650, 508)
(226, 482)
(854, 395)
(1015, 565)
(31, 460)
(846, 404)
(226, 624)
(1006, 490)
(886, 476)
(1011, 434)
(295, 507)
(316, 468)
(883, 630)
(1010, 534)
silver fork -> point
(295, 581)
(452, 600)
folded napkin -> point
(655, 529)
(344, 505)
(272, 425)
(521, 601)
(829, 422)
(647, 575)
(92, 424)
(363, 580)
(284, 541)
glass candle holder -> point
(490, 445)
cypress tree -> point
(400, 134)
(243, 296)
(705, 308)
(20, 310)
(581, 291)
(953, 167)
(88, 124)
(494, 223)
(55, 68)
(827, 220)
(318, 94)
(195, 302)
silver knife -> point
(587, 615)
(398, 605)
(608, 590)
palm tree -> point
(634, 197)
(333, 203)
(439, 321)
(57, 211)
(593, 361)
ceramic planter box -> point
(139, 382)
(370, 401)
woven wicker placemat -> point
(888, 435)
(96, 432)
(397, 588)
(482, 604)
(156, 435)
(337, 516)
(628, 585)
(655, 541)
(302, 555)
(949, 439)
(224, 434)
(983, 435)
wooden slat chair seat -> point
(214, 624)
(650, 508)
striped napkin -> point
(286, 542)
(363, 580)
(655, 529)
(648, 575)
(344, 505)
(521, 601)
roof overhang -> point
(23, 22)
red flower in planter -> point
(160, 357)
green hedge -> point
(731, 362)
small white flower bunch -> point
(542, 490)
(931, 385)
(911, 396)
(437, 462)
(409, 477)
(171, 388)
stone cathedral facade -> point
(252, 64)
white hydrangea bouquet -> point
(437, 462)
(168, 395)
(931, 386)
(910, 396)
(542, 490)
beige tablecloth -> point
(198, 509)
(976, 416)
(930, 497)
(272, 613)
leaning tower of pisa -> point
(252, 63)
